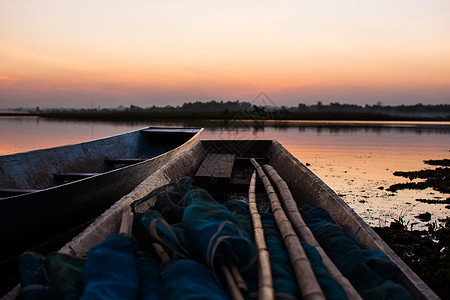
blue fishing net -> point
(32, 276)
(213, 235)
(189, 223)
(65, 274)
(284, 280)
(188, 279)
(170, 236)
(329, 286)
(283, 276)
(371, 272)
(166, 199)
(208, 232)
(164, 205)
(111, 270)
(148, 273)
(57, 276)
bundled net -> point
(168, 200)
(111, 269)
(56, 276)
(371, 272)
(199, 235)
(284, 281)
(213, 234)
(178, 282)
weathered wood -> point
(265, 285)
(305, 233)
(306, 279)
(126, 224)
(217, 166)
(14, 293)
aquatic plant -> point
(437, 179)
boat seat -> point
(7, 192)
(73, 176)
(169, 131)
(217, 166)
(123, 161)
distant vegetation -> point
(247, 111)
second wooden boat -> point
(47, 195)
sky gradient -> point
(107, 53)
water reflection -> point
(356, 159)
(260, 125)
(343, 126)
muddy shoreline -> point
(426, 252)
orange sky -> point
(107, 53)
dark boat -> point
(224, 169)
(46, 195)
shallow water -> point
(356, 159)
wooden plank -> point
(170, 130)
(123, 161)
(217, 166)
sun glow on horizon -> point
(172, 52)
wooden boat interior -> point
(224, 169)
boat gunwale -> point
(94, 141)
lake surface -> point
(356, 159)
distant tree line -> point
(377, 108)
(246, 110)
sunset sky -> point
(78, 53)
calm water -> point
(356, 159)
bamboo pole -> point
(232, 287)
(126, 227)
(265, 289)
(127, 221)
(240, 282)
(162, 253)
(305, 233)
(306, 279)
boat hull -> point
(41, 220)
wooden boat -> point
(229, 173)
(47, 193)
